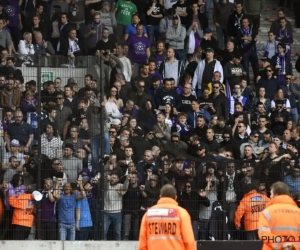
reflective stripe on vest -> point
(164, 238)
(283, 228)
(265, 229)
(267, 214)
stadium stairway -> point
(267, 17)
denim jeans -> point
(153, 32)
(180, 54)
(195, 228)
(199, 93)
(95, 145)
(128, 220)
(294, 115)
(66, 231)
(222, 35)
(116, 220)
(204, 229)
(83, 233)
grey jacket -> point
(175, 37)
(94, 119)
(254, 7)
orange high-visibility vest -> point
(250, 207)
(279, 223)
(166, 226)
(24, 209)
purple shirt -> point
(138, 48)
(13, 10)
(48, 208)
(197, 39)
(159, 60)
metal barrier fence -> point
(113, 211)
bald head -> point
(168, 191)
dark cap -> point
(175, 17)
(105, 3)
(138, 131)
(69, 145)
(200, 147)
(209, 49)
(155, 78)
(207, 30)
(266, 59)
(254, 132)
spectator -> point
(66, 209)
(124, 11)
(94, 33)
(108, 19)
(175, 37)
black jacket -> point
(234, 22)
(217, 220)
(139, 146)
(64, 47)
(191, 202)
(220, 103)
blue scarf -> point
(280, 64)
(183, 129)
(40, 48)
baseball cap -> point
(155, 78)
(138, 131)
(254, 132)
(37, 195)
(210, 49)
(153, 177)
(105, 3)
(200, 147)
(115, 122)
(207, 30)
(266, 59)
(15, 143)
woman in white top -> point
(279, 95)
(113, 96)
(113, 111)
(25, 47)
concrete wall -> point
(69, 245)
(120, 245)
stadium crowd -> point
(180, 106)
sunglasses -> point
(288, 78)
(151, 133)
(215, 87)
(188, 186)
(269, 70)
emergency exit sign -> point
(47, 76)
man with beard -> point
(132, 201)
(113, 196)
